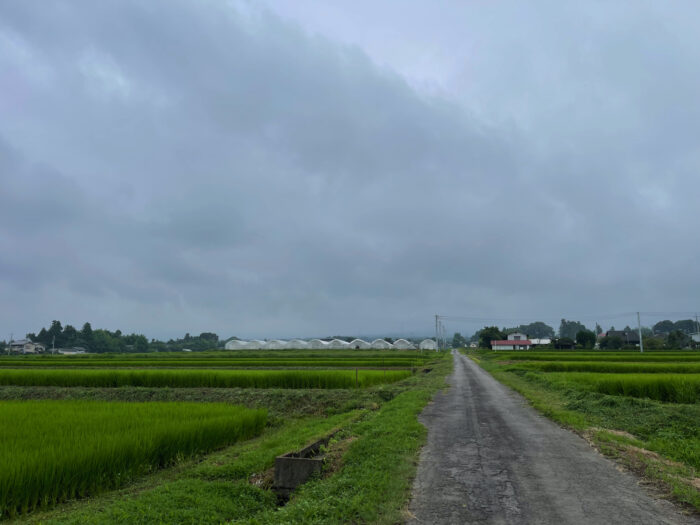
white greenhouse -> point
(381, 344)
(402, 344)
(428, 344)
(338, 344)
(360, 344)
(275, 344)
(297, 344)
(317, 344)
(237, 344)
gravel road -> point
(491, 458)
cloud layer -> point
(190, 166)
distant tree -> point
(86, 334)
(598, 329)
(537, 330)
(663, 327)
(70, 336)
(627, 329)
(653, 343)
(43, 337)
(586, 338)
(687, 326)
(569, 329)
(458, 341)
(55, 333)
(564, 343)
(611, 342)
(677, 340)
(488, 334)
(209, 336)
(647, 332)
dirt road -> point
(491, 458)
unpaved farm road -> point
(491, 458)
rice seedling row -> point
(211, 363)
(201, 378)
(670, 388)
(611, 367)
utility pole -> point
(10, 345)
(437, 340)
(639, 327)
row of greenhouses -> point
(334, 344)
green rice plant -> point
(646, 357)
(613, 367)
(58, 450)
(671, 388)
(214, 363)
(183, 378)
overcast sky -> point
(301, 168)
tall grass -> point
(672, 388)
(51, 451)
(201, 378)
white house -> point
(428, 344)
(515, 341)
(25, 346)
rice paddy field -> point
(641, 408)
(191, 437)
(57, 450)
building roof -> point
(510, 342)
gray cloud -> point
(190, 166)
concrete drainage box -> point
(295, 468)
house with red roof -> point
(515, 341)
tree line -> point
(106, 341)
(574, 334)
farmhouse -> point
(629, 337)
(25, 346)
(515, 341)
